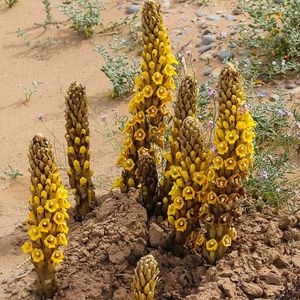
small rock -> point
(281, 262)
(252, 289)
(295, 234)
(286, 222)
(200, 14)
(155, 234)
(204, 49)
(229, 17)
(213, 18)
(132, 9)
(208, 39)
(290, 85)
(227, 287)
(270, 276)
(207, 71)
(225, 54)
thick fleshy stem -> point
(145, 278)
(48, 204)
(78, 140)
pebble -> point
(132, 9)
(252, 289)
(204, 49)
(200, 13)
(229, 17)
(213, 18)
(290, 85)
(208, 39)
(207, 71)
(225, 54)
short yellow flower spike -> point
(49, 205)
(153, 90)
(77, 136)
(234, 145)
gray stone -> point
(252, 289)
(207, 71)
(225, 54)
(213, 18)
(200, 14)
(208, 39)
(204, 49)
(229, 17)
(132, 9)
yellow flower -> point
(223, 198)
(76, 164)
(37, 255)
(147, 91)
(27, 247)
(218, 162)
(44, 194)
(50, 241)
(164, 109)
(244, 164)
(200, 240)
(241, 150)
(40, 210)
(82, 181)
(118, 183)
(222, 147)
(212, 197)
(211, 245)
(178, 203)
(231, 136)
(129, 164)
(63, 228)
(200, 178)
(61, 239)
(230, 163)
(211, 174)
(153, 131)
(241, 125)
(59, 218)
(171, 210)
(181, 224)
(31, 220)
(64, 203)
(45, 225)
(57, 256)
(77, 140)
(175, 191)
(221, 182)
(248, 119)
(143, 150)
(86, 164)
(152, 111)
(157, 78)
(161, 92)
(140, 117)
(175, 171)
(169, 84)
(71, 150)
(188, 193)
(235, 179)
(131, 182)
(140, 135)
(171, 59)
(34, 233)
(82, 150)
(247, 135)
(169, 70)
(51, 205)
(226, 241)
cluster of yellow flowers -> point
(231, 161)
(77, 136)
(153, 92)
(185, 106)
(47, 226)
(190, 180)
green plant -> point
(12, 173)
(11, 3)
(118, 68)
(85, 15)
(29, 90)
(273, 36)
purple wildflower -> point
(284, 112)
(210, 124)
(188, 53)
(264, 175)
(211, 92)
(223, 35)
(214, 149)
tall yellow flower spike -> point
(191, 181)
(185, 106)
(77, 136)
(46, 222)
(145, 278)
(234, 143)
(153, 90)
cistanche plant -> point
(78, 140)
(46, 222)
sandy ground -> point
(73, 59)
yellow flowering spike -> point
(57, 257)
(77, 136)
(145, 278)
(49, 202)
(230, 166)
(146, 128)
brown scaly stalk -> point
(78, 140)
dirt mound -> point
(104, 249)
